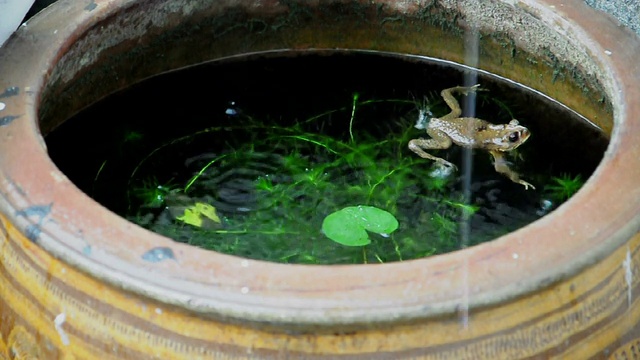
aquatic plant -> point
(151, 193)
(282, 177)
(563, 187)
(132, 136)
(315, 173)
(349, 226)
(254, 167)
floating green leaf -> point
(192, 214)
(349, 226)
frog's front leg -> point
(501, 166)
(438, 141)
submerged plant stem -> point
(380, 182)
(104, 163)
(303, 138)
(193, 179)
(353, 115)
(95, 179)
(396, 248)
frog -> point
(470, 132)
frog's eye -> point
(514, 136)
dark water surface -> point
(258, 150)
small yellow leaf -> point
(191, 216)
(207, 210)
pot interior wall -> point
(151, 37)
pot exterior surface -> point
(79, 282)
(51, 310)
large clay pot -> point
(77, 281)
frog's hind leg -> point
(452, 102)
(418, 146)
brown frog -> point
(471, 133)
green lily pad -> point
(349, 226)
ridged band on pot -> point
(547, 289)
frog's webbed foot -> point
(442, 171)
(525, 184)
(466, 90)
(424, 115)
(447, 166)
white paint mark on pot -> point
(244, 263)
(515, 255)
(244, 290)
(2, 106)
(627, 265)
(57, 176)
(608, 52)
(57, 323)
